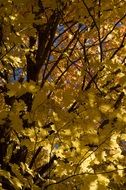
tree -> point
(62, 84)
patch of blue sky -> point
(16, 75)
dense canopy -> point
(62, 94)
